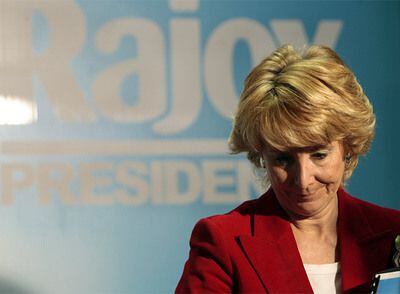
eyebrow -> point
(310, 149)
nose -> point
(303, 172)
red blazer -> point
(252, 248)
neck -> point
(316, 235)
(321, 223)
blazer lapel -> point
(272, 250)
(363, 249)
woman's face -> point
(306, 180)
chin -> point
(309, 209)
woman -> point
(305, 120)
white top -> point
(324, 278)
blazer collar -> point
(272, 249)
(273, 253)
(363, 245)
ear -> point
(262, 162)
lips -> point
(307, 195)
(304, 197)
(300, 194)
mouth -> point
(313, 192)
(305, 197)
(306, 194)
(302, 193)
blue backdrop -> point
(114, 118)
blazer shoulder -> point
(377, 209)
(235, 222)
(378, 214)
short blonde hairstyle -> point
(293, 100)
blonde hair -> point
(293, 100)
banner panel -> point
(114, 118)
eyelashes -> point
(286, 159)
(319, 155)
(283, 160)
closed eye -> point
(283, 159)
(319, 155)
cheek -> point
(333, 174)
(277, 175)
